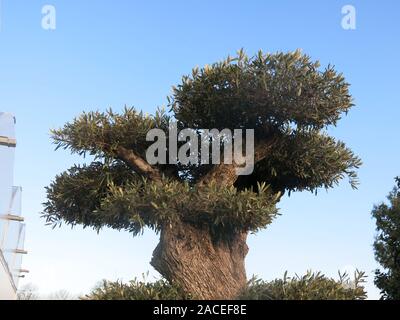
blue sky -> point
(115, 53)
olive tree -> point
(204, 213)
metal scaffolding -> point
(12, 227)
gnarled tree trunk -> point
(204, 267)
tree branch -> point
(225, 174)
(138, 164)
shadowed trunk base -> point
(204, 268)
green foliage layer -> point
(139, 203)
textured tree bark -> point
(203, 267)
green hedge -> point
(312, 286)
(136, 290)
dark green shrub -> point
(136, 290)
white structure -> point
(12, 228)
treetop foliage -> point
(265, 92)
